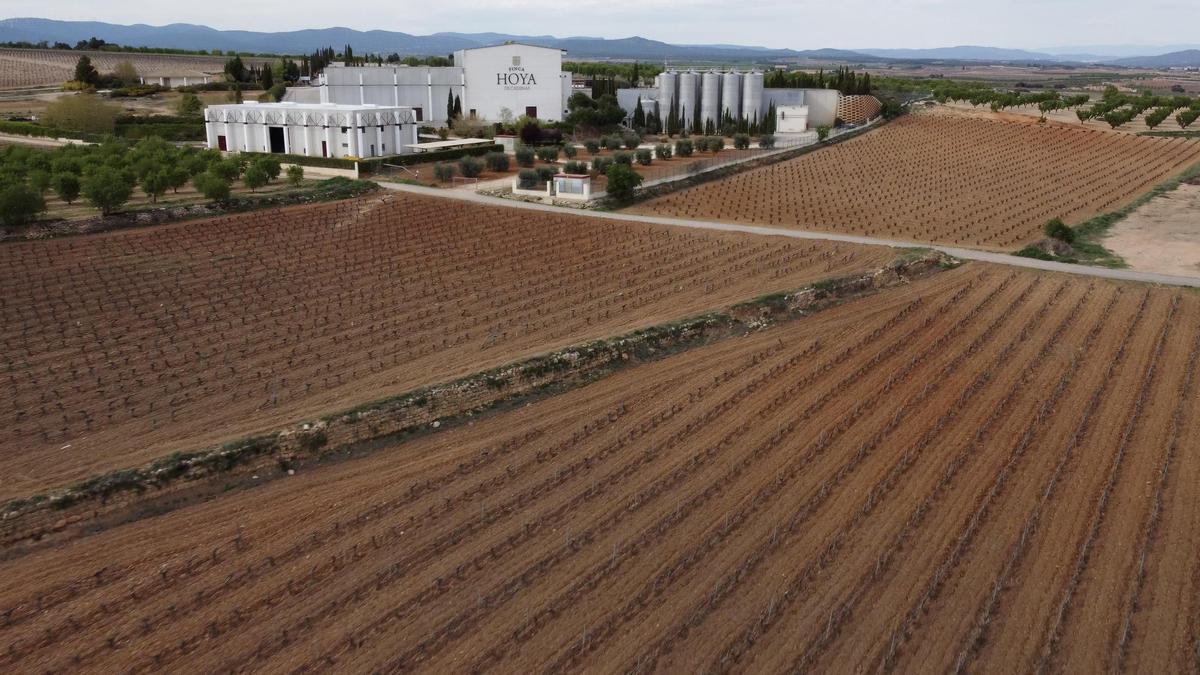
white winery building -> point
(373, 111)
(314, 130)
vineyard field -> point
(943, 178)
(123, 347)
(42, 67)
(982, 470)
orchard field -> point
(119, 348)
(944, 178)
(982, 470)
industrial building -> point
(741, 95)
(490, 83)
(314, 130)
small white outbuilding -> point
(311, 129)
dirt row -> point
(126, 346)
(985, 469)
(946, 178)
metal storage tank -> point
(689, 82)
(710, 97)
(731, 94)
(752, 95)
(668, 84)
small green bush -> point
(663, 150)
(714, 144)
(766, 141)
(1059, 230)
(527, 179)
(592, 145)
(684, 147)
(601, 164)
(548, 153)
(612, 142)
(496, 161)
(545, 173)
(631, 141)
(741, 141)
(622, 181)
(525, 157)
(623, 158)
(470, 167)
(644, 156)
(569, 150)
(295, 175)
(443, 171)
(575, 167)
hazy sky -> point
(798, 24)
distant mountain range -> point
(194, 37)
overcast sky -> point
(798, 24)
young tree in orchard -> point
(212, 186)
(255, 176)
(66, 186)
(106, 188)
(295, 175)
(267, 80)
(155, 183)
(19, 204)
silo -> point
(689, 82)
(668, 84)
(710, 98)
(731, 94)
(752, 96)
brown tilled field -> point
(984, 470)
(949, 179)
(119, 348)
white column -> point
(395, 88)
(429, 94)
(287, 137)
(210, 132)
(361, 90)
(330, 147)
(266, 135)
(399, 145)
(307, 132)
(245, 134)
(353, 123)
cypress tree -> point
(697, 123)
(457, 106)
(449, 105)
(639, 115)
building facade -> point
(313, 130)
(489, 83)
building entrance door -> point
(221, 144)
(276, 138)
(324, 149)
(531, 111)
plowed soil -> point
(127, 346)
(945, 178)
(987, 469)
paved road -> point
(961, 253)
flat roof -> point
(456, 143)
(299, 105)
(512, 44)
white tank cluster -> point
(714, 92)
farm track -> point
(188, 335)
(946, 473)
(967, 181)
